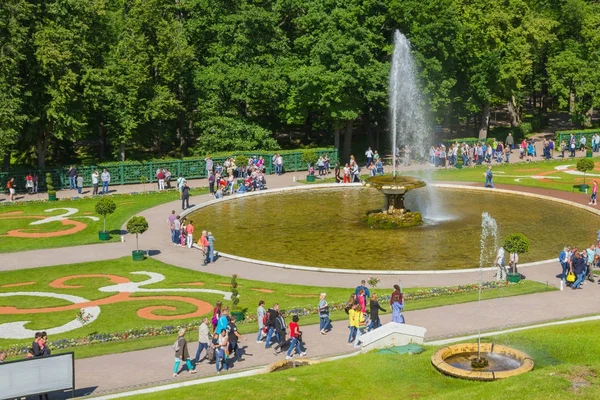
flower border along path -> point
(151, 331)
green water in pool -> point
(327, 228)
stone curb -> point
(254, 371)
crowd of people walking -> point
(219, 339)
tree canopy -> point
(131, 79)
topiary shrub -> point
(104, 207)
(137, 225)
(241, 160)
(516, 243)
(50, 184)
(310, 157)
(584, 165)
(235, 294)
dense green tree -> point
(13, 43)
(116, 79)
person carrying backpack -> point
(280, 328)
(272, 315)
(181, 354)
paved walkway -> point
(119, 371)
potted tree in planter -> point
(137, 225)
(584, 165)
(310, 157)
(104, 207)
(235, 300)
(515, 244)
(50, 187)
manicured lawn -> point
(122, 315)
(545, 173)
(566, 357)
(18, 217)
(537, 174)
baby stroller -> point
(261, 183)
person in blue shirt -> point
(363, 287)
(564, 258)
(223, 321)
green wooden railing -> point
(137, 172)
(565, 135)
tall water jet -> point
(487, 249)
(408, 127)
(408, 123)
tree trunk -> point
(6, 161)
(515, 119)
(571, 102)
(336, 139)
(122, 152)
(181, 136)
(41, 149)
(588, 116)
(348, 139)
(368, 130)
(102, 137)
(485, 121)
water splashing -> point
(487, 251)
(408, 123)
(489, 240)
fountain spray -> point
(408, 123)
(488, 245)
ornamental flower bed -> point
(167, 330)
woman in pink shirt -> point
(594, 193)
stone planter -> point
(310, 178)
(239, 315)
(138, 255)
(514, 278)
(104, 235)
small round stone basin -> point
(504, 362)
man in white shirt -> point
(105, 180)
(369, 155)
(95, 179)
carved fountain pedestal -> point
(394, 214)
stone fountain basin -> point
(401, 183)
(439, 361)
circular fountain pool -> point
(503, 362)
(327, 227)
